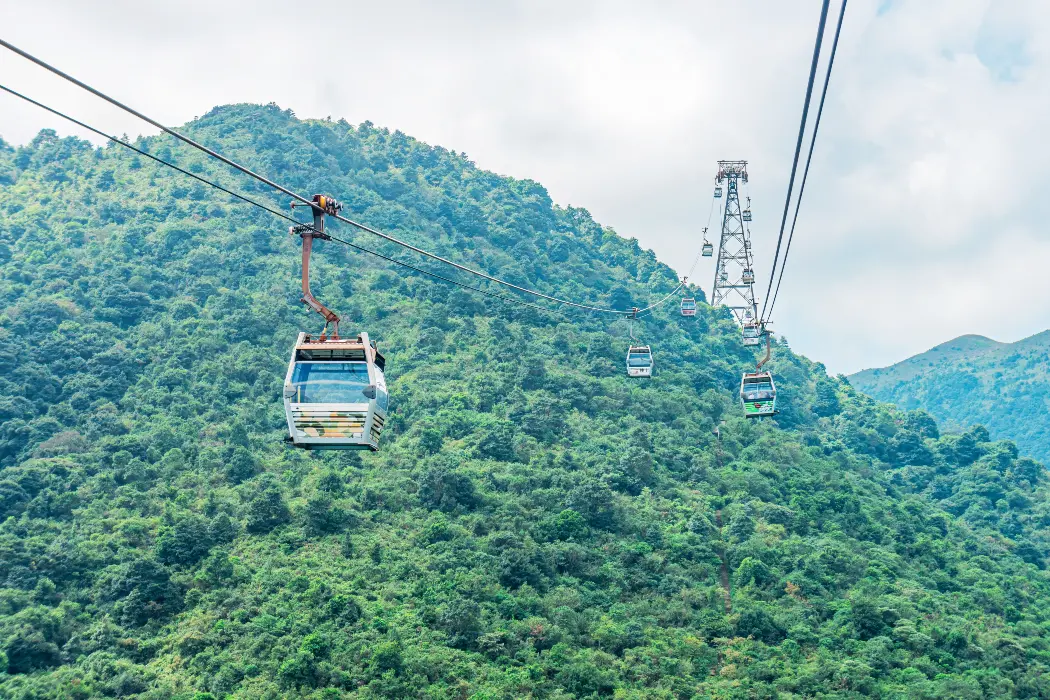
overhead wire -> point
(116, 103)
(809, 156)
(270, 183)
(402, 263)
(692, 268)
(798, 150)
(286, 217)
(647, 311)
(260, 205)
(141, 152)
(699, 253)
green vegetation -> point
(536, 524)
(975, 380)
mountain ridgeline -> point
(535, 524)
(975, 380)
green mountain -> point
(975, 380)
(535, 525)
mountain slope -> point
(535, 525)
(976, 380)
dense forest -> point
(975, 380)
(536, 524)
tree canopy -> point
(535, 524)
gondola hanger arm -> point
(769, 349)
(320, 206)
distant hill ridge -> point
(973, 379)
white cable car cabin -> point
(749, 276)
(708, 250)
(718, 192)
(335, 395)
(688, 306)
(639, 361)
(758, 395)
(747, 215)
(752, 334)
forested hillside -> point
(535, 525)
(975, 380)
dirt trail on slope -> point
(724, 574)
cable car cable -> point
(798, 146)
(477, 273)
(290, 193)
(443, 278)
(809, 157)
(647, 311)
(141, 152)
(148, 120)
(262, 206)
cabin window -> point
(382, 398)
(763, 386)
(638, 359)
(331, 382)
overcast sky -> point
(925, 208)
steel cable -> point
(282, 214)
(798, 148)
(809, 157)
(300, 198)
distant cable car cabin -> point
(723, 275)
(335, 395)
(688, 306)
(747, 215)
(749, 276)
(639, 361)
(752, 334)
(718, 191)
(708, 250)
(758, 395)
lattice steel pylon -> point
(732, 288)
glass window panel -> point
(382, 397)
(639, 359)
(330, 382)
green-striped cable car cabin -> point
(758, 395)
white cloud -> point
(923, 213)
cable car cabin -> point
(639, 361)
(758, 395)
(752, 334)
(709, 250)
(749, 277)
(688, 307)
(718, 192)
(747, 215)
(335, 395)
(724, 276)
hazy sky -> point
(924, 215)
